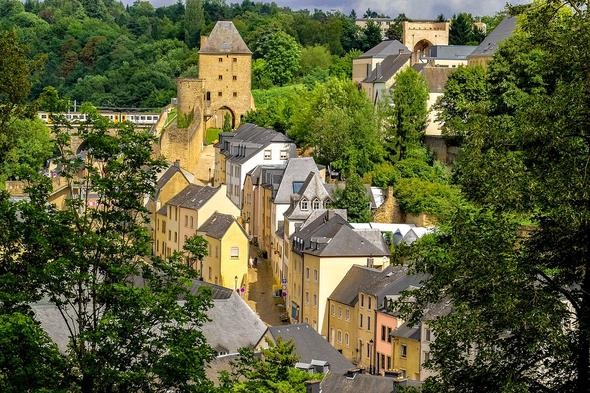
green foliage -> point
(396, 29)
(422, 196)
(195, 249)
(50, 101)
(373, 35)
(212, 135)
(227, 127)
(275, 107)
(353, 197)
(29, 360)
(86, 262)
(337, 120)
(272, 371)
(404, 113)
(281, 55)
(184, 120)
(342, 66)
(465, 95)
(315, 57)
(521, 310)
(194, 19)
(463, 31)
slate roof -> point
(330, 235)
(357, 278)
(361, 383)
(228, 310)
(193, 196)
(217, 225)
(385, 70)
(309, 345)
(248, 140)
(450, 52)
(297, 170)
(407, 331)
(224, 39)
(490, 44)
(384, 49)
(168, 173)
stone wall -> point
(389, 212)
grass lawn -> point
(212, 135)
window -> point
(348, 314)
(306, 297)
(234, 252)
(382, 361)
(427, 334)
(368, 322)
(389, 362)
(169, 235)
(216, 251)
(175, 237)
(347, 339)
(235, 59)
(340, 312)
(191, 221)
(268, 154)
(304, 204)
(284, 154)
(235, 94)
(426, 356)
(220, 77)
(361, 320)
(307, 273)
(235, 77)
(176, 213)
(315, 300)
(370, 299)
(220, 59)
(208, 96)
(219, 94)
(209, 272)
(186, 221)
(332, 309)
(404, 350)
(339, 336)
(368, 350)
(383, 333)
(388, 334)
(316, 204)
(315, 274)
(157, 246)
(306, 320)
(362, 300)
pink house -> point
(386, 323)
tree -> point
(396, 28)
(315, 57)
(281, 54)
(353, 197)
(465, 96)
(196, 248)
(405, 112)
(516, 266)
(50, 101)
(463, 31)
(227, 123)
(194, 21)
(372, 35)
(337, 121)
(132, 322)
(272, 371)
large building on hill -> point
(223, 89)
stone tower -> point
(419, 36)
(223, 86)
(225, 64)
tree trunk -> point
(583, 358)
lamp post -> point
(371, 371)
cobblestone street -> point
(260, 293)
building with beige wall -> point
(227, 262)
(323, 250)
(420, 36)
(366, 63)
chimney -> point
(312, 386)
(402, 51)
(203, 40)
(379, 70)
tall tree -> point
(518, 270)
(396, 29)
(372, 35)
(462, 29)
(132, 322)
(353, 197)
(194, 21)
(281, 54)
(404, 112)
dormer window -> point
(304, 204)
(316, 204)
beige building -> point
(383, 23)
(183, 214)
(420, 36)
(365, 64)
(227, 262)
(323, 249)
(483, 54)
(222, 88)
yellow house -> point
(179, 219)
(227, 262)
(406, 351)
(323, 250)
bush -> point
(417, 196)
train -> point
(142, 119)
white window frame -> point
(268, 154)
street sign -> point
(242, 290)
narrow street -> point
(260, 294)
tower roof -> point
(224, 39)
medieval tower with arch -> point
(222, 88)
(420, 36)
